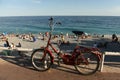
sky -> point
(60, 7)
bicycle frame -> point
(67, 59)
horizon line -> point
(57, 15)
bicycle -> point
(85, 60)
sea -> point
(40, 24)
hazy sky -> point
(59, 7)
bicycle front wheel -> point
(40, 60)
(87, 63)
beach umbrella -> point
(78, 32)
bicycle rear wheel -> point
(87, 63)
(40, 60)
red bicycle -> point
(85, 60)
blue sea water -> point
(37, 24)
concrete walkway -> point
(12, 68)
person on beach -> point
(33, 38)
(19, 45)
(12, 45)
(62, 38)
(114, 38)
(7, 43)
(4, 38)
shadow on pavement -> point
(26, 63)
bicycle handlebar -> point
(52, 24)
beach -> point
(13, 66)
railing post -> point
(102, 62)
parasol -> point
(78, 32)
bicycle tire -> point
(88, 68)
(41, 61)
